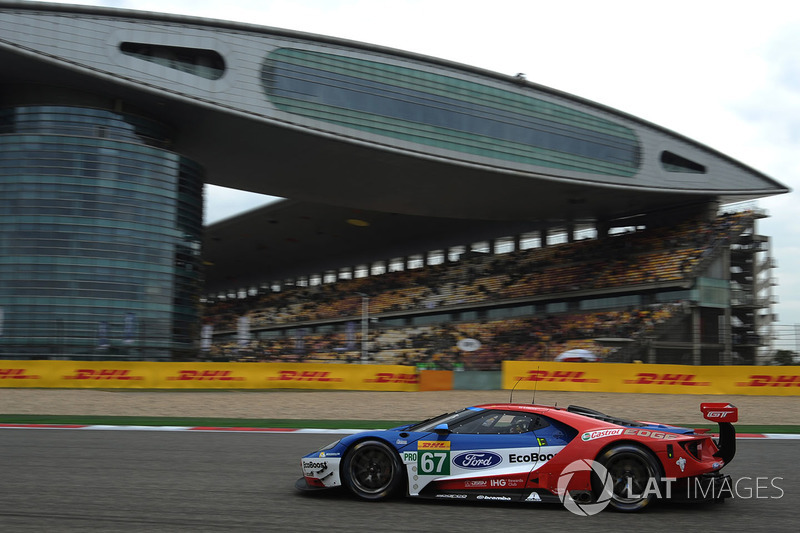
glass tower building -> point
(100, 232)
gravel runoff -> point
(375, 405)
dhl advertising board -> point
(661, 379)
(145, 375)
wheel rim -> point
(629, 470)
(371, 470)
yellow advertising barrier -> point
(146, 375)
(662, 379)
(521, 375)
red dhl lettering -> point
(771, 381)
(389, 377)
(433, 445)
(687, 380)
(106, 373)
(305, 375)
(205, 375)
(16, 373)
(560, 376)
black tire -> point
(630, 469)
(372, 470)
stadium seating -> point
(633, 259)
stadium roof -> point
(427, 151)
(289, 238)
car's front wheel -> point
(372, 470)
(634, 475)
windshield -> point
(449, 418)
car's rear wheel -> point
(634, 474)
(372, 470)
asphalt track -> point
(73, 480)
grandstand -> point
(650, 294)
(434, 213)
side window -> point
(500, 422)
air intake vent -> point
(199, 62)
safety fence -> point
(518, 375)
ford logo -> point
(477, 460)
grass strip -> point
(283, 423)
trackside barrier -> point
(147, 375)
(430, 380)
(520, 375)
(662, 379)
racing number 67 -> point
(434, 463)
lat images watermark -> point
(588, 507)
(583, 503)
(742, 488)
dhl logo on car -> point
(557, 376)
(16, 373)
(304, 375)
(646, 378)
(205, 375)
(433, 445)
(390, 377)
(771, 381)
(111, 374)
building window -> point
(675, 163)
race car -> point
(576, 456)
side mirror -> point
(442, 429)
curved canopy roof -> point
(337, 126)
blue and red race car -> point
(577, 456)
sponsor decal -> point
(105, 374)
(560, 376)
(646, 378)
(205, 375)
(401, 442)
(651, 434)
(474, 460)
(681, 462)
(496, 498)
(391, 377)
(507, 483)
(16, 373)
(329, 454)
(542, 441)
(771, 381)
(453, 496)
(303, 375)
(433, 445)
(409, 457)
(476, 483)
(534, 497)
(530, 457)
(600, 433)
(315, 465)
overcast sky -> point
(724, 73)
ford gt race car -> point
(576, 456)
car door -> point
(494, 450)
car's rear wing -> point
(723, 414)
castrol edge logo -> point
(600, 433)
